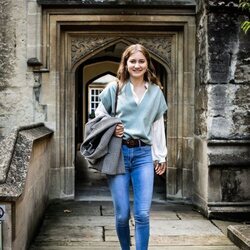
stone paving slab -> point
(133, 248)
(180, 240)
(190, 215)
(240, 235)
(76, 211)
(166, 215)
(172, 233)
(187, 227)
(74, 233)
(162, 211)
(94, 221)
(91, 225)
(74, 245)
(223, 225)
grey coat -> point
(101, 148)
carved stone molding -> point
(225, 3)
(160, 46)
(81, 46)
(118, 2)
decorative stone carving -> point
(227, 3)
(82, 46)
(160, 46)
(117, 2)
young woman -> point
(140, 107)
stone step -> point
(240, 235)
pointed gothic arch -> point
(92, 57)
(84, 51)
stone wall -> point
(31, 205)
(19, 86)
(25, 190)
(222, 109)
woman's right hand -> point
(119, 130)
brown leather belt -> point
(132, 143)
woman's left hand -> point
(160, 168)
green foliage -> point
(245, 26)
(245, 5)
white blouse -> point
(159, 149)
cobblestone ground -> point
(89, 225)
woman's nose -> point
(137, 65)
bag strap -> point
(116, 98)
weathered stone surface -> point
(240, 235)
(241, 109)
(15, 155)
(74, 233)
(222, 109)
(229, 64)
(19, 104)
(7, 148)
(25, 189)
(7, 44)
(223, 30)
(228, 109)
(116, 246)
(202, 73)
(229, 153)
(223, 3)
(242, 68)
(32, 62)
(116, 2)
(223, 225)
(187, 231)
(229, 184)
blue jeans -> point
(140, 171)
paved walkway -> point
(85, 225)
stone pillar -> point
(222, 135)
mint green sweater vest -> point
(136, 118)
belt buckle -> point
(131, 143)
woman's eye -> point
(134, 61)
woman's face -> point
(137, 65)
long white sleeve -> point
(159, 149)
(100, 110)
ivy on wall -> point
(245, 5)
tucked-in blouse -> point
(153, 116)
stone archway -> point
(98, 65)
(83, 47)
(171, 47)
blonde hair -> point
(123, 74)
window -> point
(94, 89)
(93, 102)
